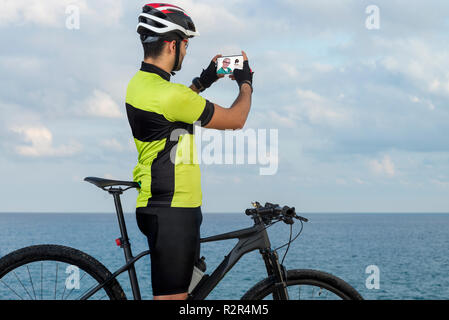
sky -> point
(358, 98)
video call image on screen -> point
(226, 65)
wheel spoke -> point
(56, 281)
(15, 274)
(12, 289)
(63, 292)
(32, 285)
(86, 291)
(42, 267)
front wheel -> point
(53, 272)
(303, 284)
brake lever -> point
(288, 220)
(301, 218)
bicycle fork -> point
(277, 270)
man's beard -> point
(181, 59)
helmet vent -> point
(190, 26)
(152, 23)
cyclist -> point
(162, 115)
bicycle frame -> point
(250, 239)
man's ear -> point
(172, 46)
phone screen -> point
(227, 64)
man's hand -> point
(245, 75)
(235, 117)
(208, 76)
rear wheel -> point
(303, 284)
(53, 272)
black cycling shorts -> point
(174, 240)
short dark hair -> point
(153, 49)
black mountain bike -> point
(47, 272)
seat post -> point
(121, 219)
(125, 244)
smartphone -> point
(227, 64)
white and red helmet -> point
(165, 20)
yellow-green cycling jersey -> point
(161, 115)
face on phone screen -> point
(227, 64)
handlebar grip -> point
(262, 210)
(249, 212)
(265, 210)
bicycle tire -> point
(305, 277)
(63, 254)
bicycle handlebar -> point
(271, 211)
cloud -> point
(23, 64)
(44, 13)
(41, 143)
(440, 183)
(110, 176)
(359, 181)
(277, 119)
(210, 17)
(113, 144)
(429, 104)
(384, 166)
(341, 95)
(100, 104)
(321, 110)
(52, 13)
(419, 60)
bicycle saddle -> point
(103, 183)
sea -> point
(396, 256)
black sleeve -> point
(207, 114)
